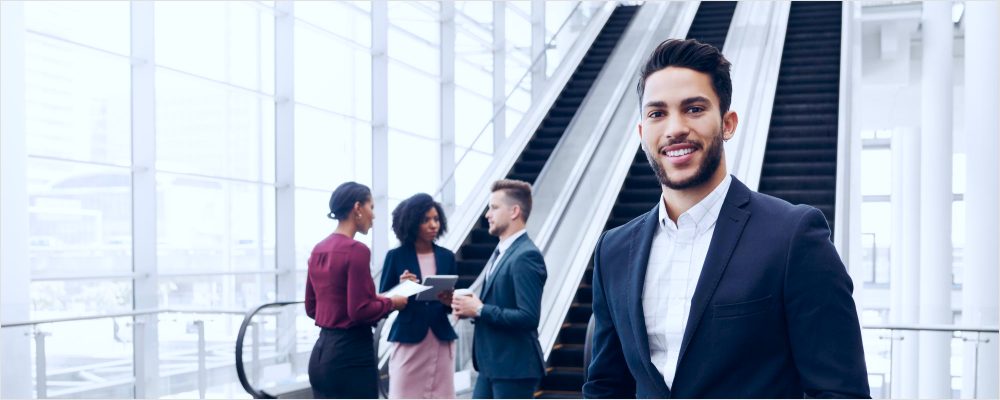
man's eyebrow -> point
(691, 100)
(655, 104)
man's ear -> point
(515, 212)
(729, 123)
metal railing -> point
(206, 357)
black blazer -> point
(412, 322)
(771, 315)
(505, 344)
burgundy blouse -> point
(340, 292)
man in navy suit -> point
(718, 291)
(505, 347)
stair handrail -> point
(240, 369)
(486, 127)
(581, 216)
(754, 46)
(463, 218)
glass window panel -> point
(876, 175)
(224, 292)
(59, 299)
(230, 41)
(101, 24)
(477, 78)
(479, 11)
(876, 217)
(89, 359)
(79, 218)
(958, 165)
(413, 165)
(417, 17)
(413, 101)
(472, 114)
(472, 168)
(213, 225)
(311, 223)
(331, 74)
(345, 20)
(958, 216)
(212, 129)
(413, 52)
(178, 347)
(77, 102)
(513, 118)
(300, 284)
(392, 240)
(324, 148)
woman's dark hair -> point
(409, 215)
(345, 196)
(694, 55)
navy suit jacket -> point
(505, 344)
(771, 316)
(412, 322)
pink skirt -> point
(424, 370)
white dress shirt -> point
(502, 248)
(675, 261)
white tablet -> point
(438, 284)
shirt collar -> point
(710, 206)
(505, 244)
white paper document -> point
(405, 289)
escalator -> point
(473, 254)
(800, 160)
(565, 373)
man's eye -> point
(695, 109)
(655, 114)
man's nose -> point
(676, 127)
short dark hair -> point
(345, 196)
(409, 215)
(692, 54)
(518, 191)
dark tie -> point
(490, 264)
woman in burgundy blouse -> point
(340, 296)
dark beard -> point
(708, 166)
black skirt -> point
(343, 364)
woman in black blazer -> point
(422, 364)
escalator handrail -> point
(240, 370)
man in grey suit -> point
(505, 347)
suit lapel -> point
(411, 263)
(732, 219)
(502, 262)
(640, 242)
(439, 258)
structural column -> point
(144, 261)
(15, 273)
(905, 274)
(538, 56)
(982, 196)
(284, 177)
(380, 130)
(499, 75)
(447, 71)
(936, 198)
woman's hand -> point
(408, 276)
(445, 297)
(398, 302)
